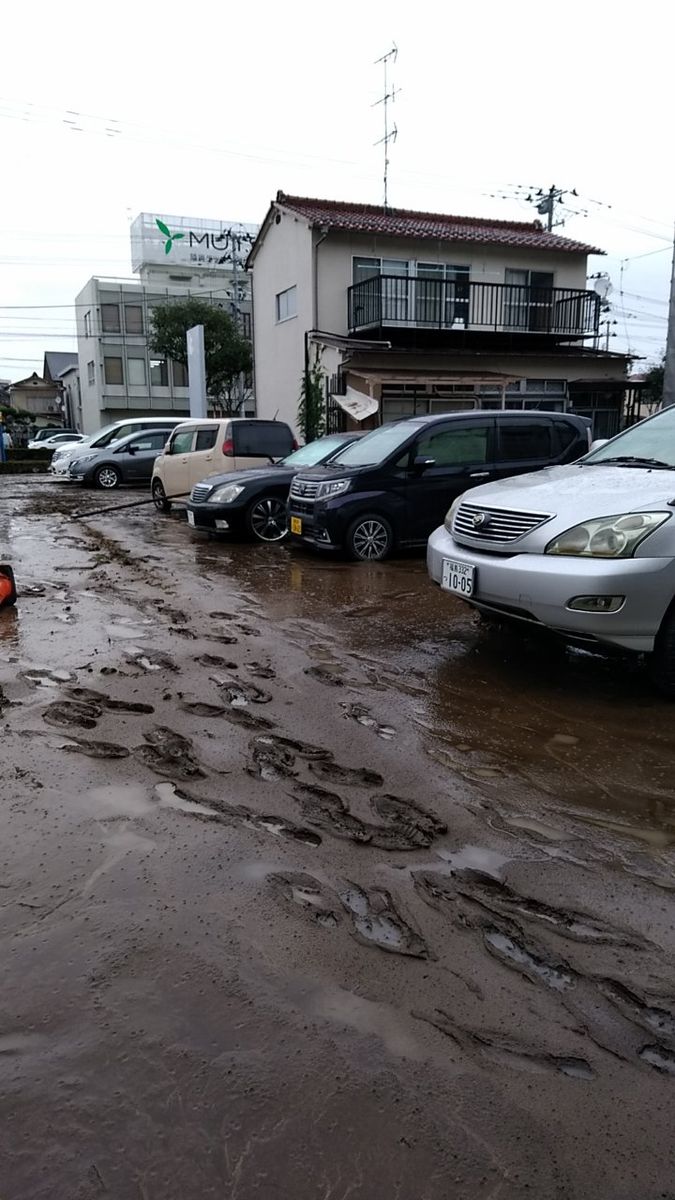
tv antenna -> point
(385, 100)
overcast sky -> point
(208, 109)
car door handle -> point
(478, 474)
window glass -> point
(654, 438)
(262, 439)
(181, 443)
(87, 324)
(287, 303)
(159, 373)
(566, 434)
(246, 328)
(136, 372)
(315, 452)
(110, 318)
(377, 446)
(365, 268)
(133, 318)
(523, 440)
(206, 438)
(112, 370)
(91, 372)
(455, 447)
(180, 374)
(150, 441)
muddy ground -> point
(313, 889)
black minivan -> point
(394, 486)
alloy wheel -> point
(370, 539)
(268, 519)
(107, 477)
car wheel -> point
(266, 519)
(370, 538)
(662, 660)
(159, 497)
(108, 478)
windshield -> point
(652, 441)
(314, 452)
(376, 446)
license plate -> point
(296, 525)
(458, 577)
(191, 518)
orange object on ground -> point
(7, 586)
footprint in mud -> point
(183, 631)
(407, 826)
(247, 719)
(281, 827)
(652, 1017)
(351, 776)
(219, 812)
(199, 708)
(303, 749)
(261, 670)
(176, 616)
(32, 589)
(169, 753)
(270, 760)
(497, 898)
(363, 716)
(507, 1050)
(72, 712)
(150, 660)
(241, 694)
(90, 695)
(248, 630)
(659, 1057)
(373, 919)
(533, 962)
(327, 673)
(45, 677)
(216, 660)
(224, 639)
(222, 616)
(75, 745)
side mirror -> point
(129, 450)
(598, 443)
(421, 463)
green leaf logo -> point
(170, 237)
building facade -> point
(174, 257)
(40, 398)
(407, 312)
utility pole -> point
(547, 200)
(389, 135)
(669, 362)
(234, 240)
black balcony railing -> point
(398, 300)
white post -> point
(196, 371)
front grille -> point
(484, 524)
(304, 489)
(199, 492)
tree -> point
(652, 393)
(227, 352)
(311, 413)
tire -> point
(662, 659)
(159, 497)
(370, 538)
(266, 519)
(107, 477)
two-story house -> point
(411, 312)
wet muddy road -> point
(313, 889)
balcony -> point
(390, 301)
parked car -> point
(127, 461)
(56, 439)
(203, 448)
(253, 501)
(394, 485)
(586, 550)
(48, 431)
(62, 458)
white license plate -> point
(191, 517)
(458, 577)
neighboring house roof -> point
(35, 381)
(57, 361)
(336, 215)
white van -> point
(62, 458)
(206, 447)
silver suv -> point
(586, 550)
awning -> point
(357, 404)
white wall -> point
(283, 259)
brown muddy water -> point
(312, 888)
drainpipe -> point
(315, 301)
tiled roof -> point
(57, 361)
(401, 222)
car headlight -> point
(226, 494)
(333, 487)
(607, 537)
(450, 514)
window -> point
(567, 434)
(136, 376)
(262, 439)
(528, 299)
(365, 268)
(246, 325)
(180, 375)
(159, 372)
(287, 304)
(522, 441)
(133, 318)
(87, 324)
(91, 372)
(110, 318)
(442, 295)
(150, 441)
(206, 438)
(112, 370)
(456, 446)
(181, 443)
